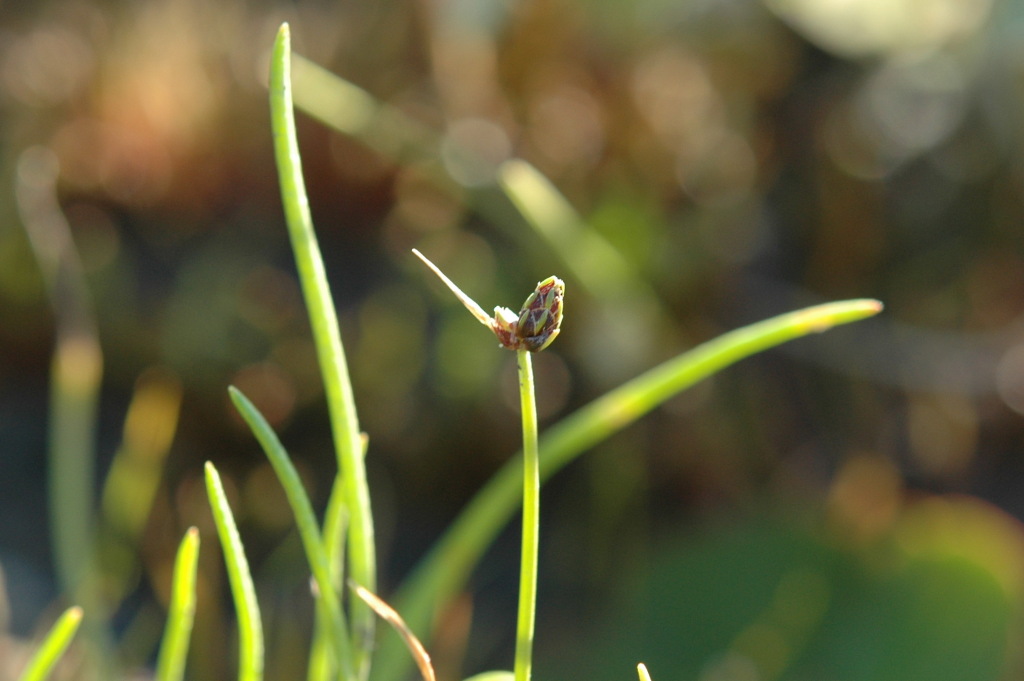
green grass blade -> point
(598, 267)
(305, 520)
(174, 649)
(321, 655)
(137, 468)
(250, 629)
(335, 522)
(349, 109)
(57, 641)
(76, 372)
(330, 352)
(445, 569)
(335, 530)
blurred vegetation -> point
(842, 508)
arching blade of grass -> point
(330, 352)
(77, 368)
(250, 628)
(389, 615)
(57, 641)
(445, 569)
(598, 267)
(305, 519)
(174, 649)
(351, 110)
(133, 479)
(135, 472)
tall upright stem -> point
(531, 521)
(323, 318)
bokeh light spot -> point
(47, 66)
(472, 150)
(1010, 378)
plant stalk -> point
(531, 521)
(330, 352)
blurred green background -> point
(842, 508)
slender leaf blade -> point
(305, 520)
(250, 628)
(174, 648)
(53, 647)
(330, 351)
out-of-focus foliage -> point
(742, 158)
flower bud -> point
(541, 315)
(533, 328)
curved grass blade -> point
(135, 472)
(351, 110)
(330, 352)
(442, 572)
(57, 641)
(389, 615)
(174, 648)
(596, 264)
(76, 373)
(250, 629)
(305, 520)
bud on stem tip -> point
(534, 328)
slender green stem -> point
(531, 521)
(330, 352)
(334, 544)
(53, 647)
(174, 649)
(335, 531)
(243, 592)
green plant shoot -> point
(533, 329)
